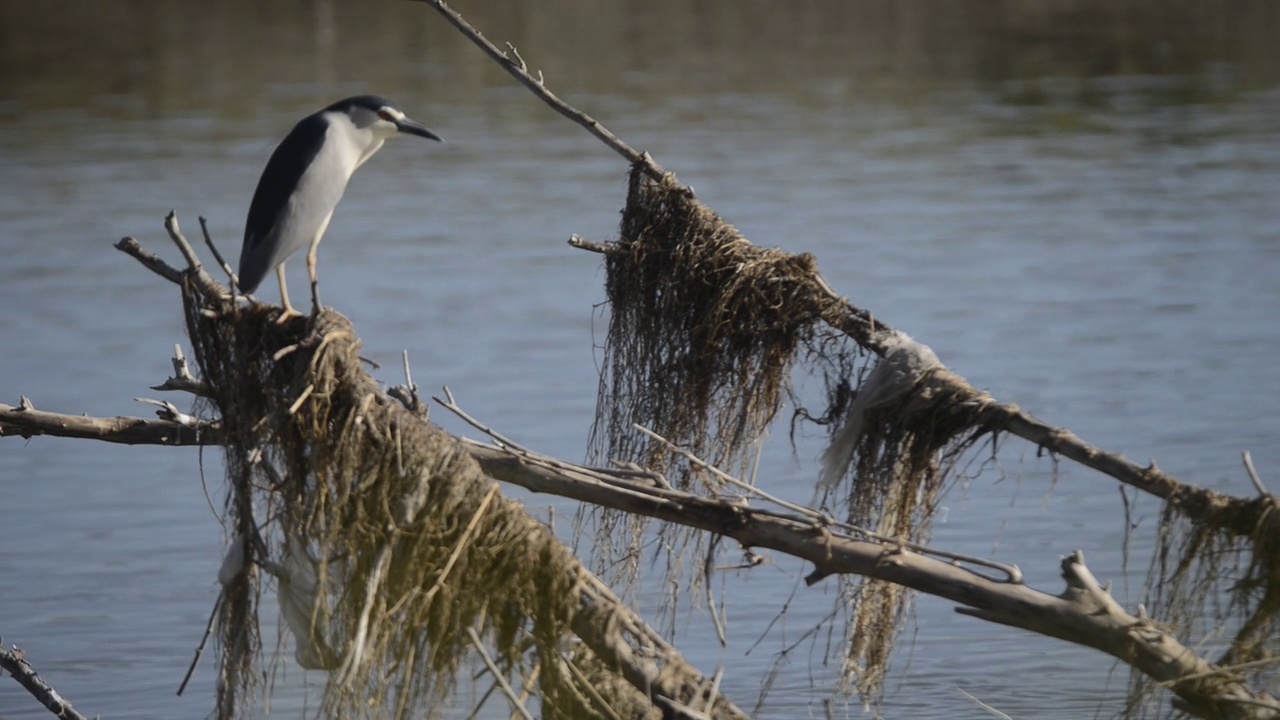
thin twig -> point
(407, 394)
(479, 704)
(708, 567)
(530, 682)
(1253, 475)
(749, 489)
(463, 539)
(355, 654)
(1013, 572)
(297, 404)
(497, 674)
(590, 689)
(175, 234)
(452, 406)
(990, 710)
(204, 641)
(169, 411)
(518, 69)
(285, 351)
(208, 241)
(408, 374)
(182, 379)
(715, 689)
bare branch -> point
(1084, 614)
(1253, 474)
(169, 411)
(204, 641)
(175, 234)
(604, 248)
(407, 394)
(498, 675)
(182, 379)
(518, 69)
(1196, 503)
(131, 247)
(1012, 573)
(195, 270)
(15, 663)
(1100, 622)
(29, 422)
(450, 404)
(208, 241)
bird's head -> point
(381, 117)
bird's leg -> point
(289, 312)
(315, 281)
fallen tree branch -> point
(29, 422)
(1196, 503)
(15, 663)
(1084, 614)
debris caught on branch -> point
(388, 544)
(705, 330)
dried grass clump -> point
(703, 330)
(907, 453)
(385, 538)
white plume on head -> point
(904, 364)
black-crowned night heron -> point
(305, 179)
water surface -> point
(1072, 204)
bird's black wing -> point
(280, 178)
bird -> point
(303, 181)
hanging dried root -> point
(705, 329)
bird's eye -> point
(385, 115)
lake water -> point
(1074, 205)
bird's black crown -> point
(372, 103)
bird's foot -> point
(288, 314)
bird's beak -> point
(414, 128)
